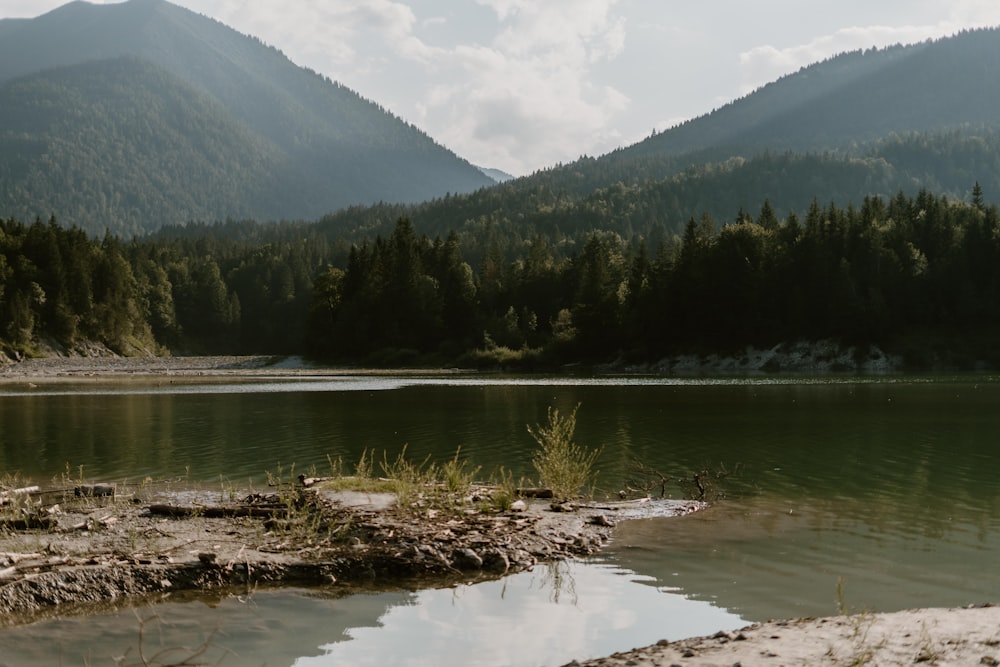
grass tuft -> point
(562, 465)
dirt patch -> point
(86, 550)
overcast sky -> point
(521, 85)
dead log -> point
(29, 523)
(7, 496)
(534, 493)
(309, 481)
(217, 511)
(94, 490)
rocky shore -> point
(821, 356)
(80, 549)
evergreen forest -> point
(906, 272)
(170, 186)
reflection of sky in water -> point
(546, 617)
(549, 616)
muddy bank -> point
(968, 636)
(85, 550)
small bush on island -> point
(562, 465)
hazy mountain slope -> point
(124, 141)
(854, 97)
(342, 149)
(838, 104)
(736, 122)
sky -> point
(522, 85)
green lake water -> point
(886, 485)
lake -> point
(882, 488)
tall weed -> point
(562, 465)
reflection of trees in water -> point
(558, 577)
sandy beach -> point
(942, 637)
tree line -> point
(905, 272)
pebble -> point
(467, 559)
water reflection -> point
(550, 616)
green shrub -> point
(562, 465)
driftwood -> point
(534, 493)
(94, 490)
(29, 523)
(91, 490)
(93, 524)
(7, 496)
(309, 481)
(218, 511)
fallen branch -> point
(6, 497)
(534, 493)
(29, 523)
(309, 481)
(217, 512)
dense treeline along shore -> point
(905, 274)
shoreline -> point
(820, 357)
(99, 552)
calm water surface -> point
(888, 485)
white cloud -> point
(522, 84)
(527, 98)
(981, 13)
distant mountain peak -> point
(326, 147)
(497, 175)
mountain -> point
(866, 123)
(855, 97)
(841, 105)
(259, 136)
(497, 175)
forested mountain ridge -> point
(335, 147)
(841, 105)
(859, 124)
(949, 163)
